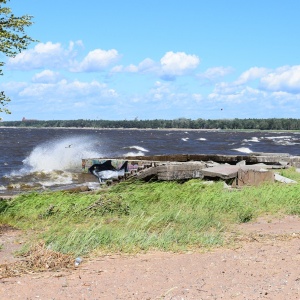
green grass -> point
(130, 217)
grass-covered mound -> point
(136, 216)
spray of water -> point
(64, 154)
(55, 162)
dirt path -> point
(265, 264)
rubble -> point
(250, 170)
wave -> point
(65, 154)
(141, 149)
(278, 137)
(253, 140)
(139, 153)
(55, 162)
(243, 149)
(185, 139)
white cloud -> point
(285, 79)
(169, 67)
(43, 55)
(179, 63)
(46, 76)
(159, 92)
(251, 74)
(64, 89)
(54, 56)
(145, 66)
(96, 60)
(215, 73)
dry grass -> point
(37, 259)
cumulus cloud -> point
(47, 76)
(54, 56)
(251, 74)
(285, 79)
(179, 63)
(244, 80)
(169, 67)
(96, 60)
(43, 55)
(67, 90)
(145, 66)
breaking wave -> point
(65, 154)
(54, 162)
(243, 149)
(253, 140)
(140, 151)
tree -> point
(13, 40)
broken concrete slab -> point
(147, 174)
(270, 158)
(283, 179)
(252, 177)
(184, 167)
(180, 171)
(221, 171)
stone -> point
(283, 179)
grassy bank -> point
(137, 216)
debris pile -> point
(238, 169)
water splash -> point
(64, 154)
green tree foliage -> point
(231, 124)
(13, 39)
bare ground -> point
(263, 262)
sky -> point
(156, 59)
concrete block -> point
(250, 177)
(179, 171)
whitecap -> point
(243, 149)
(278, 137)
(140, 153)
(137, 148)
(253, 140)
(201, 139)
(185, 139)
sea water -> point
(32, 158)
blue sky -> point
(127, 59)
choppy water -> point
(43, 158)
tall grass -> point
(137, 216)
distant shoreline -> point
(155, 129)
(100, 128)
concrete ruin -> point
(239, 170)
